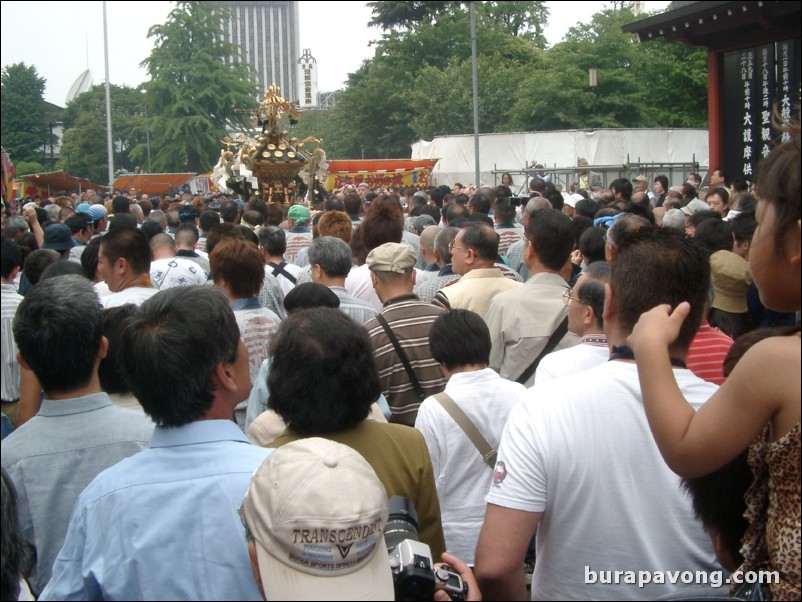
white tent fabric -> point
(516, 150)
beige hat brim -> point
(729, 303)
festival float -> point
(278, 168)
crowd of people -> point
(208, 398)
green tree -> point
(194, 91)
(639, 85)
(83, 145)
(393, 14)
(23, 168)
(418, 83)
(451, 112)
(419, 80)
(315, 123)
(22, 112)
(675, 84)
(517, 18)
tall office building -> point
(267, 35)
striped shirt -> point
(9, 301)
(298, 238)
(707, 352)
(257, 327)
(515, 255)
(412, 240)
(271, 296)
(410, 320)
(302, 258)
(358, 310)
(508, 235)
(427, 290)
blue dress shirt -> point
(163, 524)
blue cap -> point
(58, 237)
(96, 212)
(606, 220)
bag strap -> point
(468, 427)
(279, 269)
(555, 338)
(403, 357)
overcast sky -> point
(62, 39)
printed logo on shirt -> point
(500, 473)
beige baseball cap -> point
(317, 512)
(731, 280)
(391, 257)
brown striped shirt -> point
(411, 320)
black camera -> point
(414, 575)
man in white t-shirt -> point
(167, 270)
(585, 308)
(124, 264)
(578, 464)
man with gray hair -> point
(674, 219)
(624, 226)
(585, 304)
(16, 228)
(330, 264)
(137, 212)
(78, 432)
(159, 217)
(52, 212)
(442, 258)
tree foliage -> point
(195, 89)
(418, 83)
(516, 18)
(393, 14)
(23, 168)
(23, 129)
(83, 144)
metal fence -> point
(565, 178)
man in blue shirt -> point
(163, 524)
(78, 432)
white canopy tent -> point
(622, 151)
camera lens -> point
(402, 522)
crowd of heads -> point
(184, 343)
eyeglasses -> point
(452, 246)
(568, 297)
